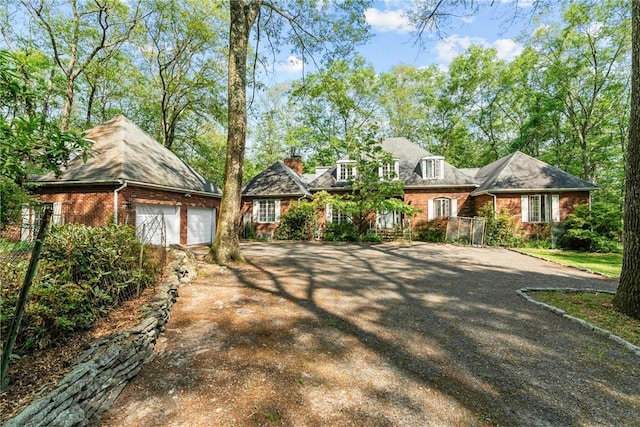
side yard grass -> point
(609, 264)
(595, 308)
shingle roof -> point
(410, 156)
(277, 180)
(121, 151)
(520, 172)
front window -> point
(442, 207)
(389, 171)
(538, 208)
(266, 210)
(346, 170)
(433, 167)
(336, 215)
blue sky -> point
(392, 42)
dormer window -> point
(346, 170)
(389, 171)
(433, 167)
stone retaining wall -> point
(109, 363)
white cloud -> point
(388, 20)
(292, 65)
(452, 46)
(507, 49)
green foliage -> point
(12, 197)
(29, 143)
(501, 229)
(341, 232)
(431, 231)
(83, 272)
(370, 237)
(598, 229)
(298, 222)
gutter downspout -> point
(495, 205)
(115, 201)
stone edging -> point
(106, 367)
(600, 331)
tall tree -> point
(627, 298)
(310, 27)
(76, 33)
(182, 46)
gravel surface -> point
(400, 335)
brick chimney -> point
(295, 163)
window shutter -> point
(396, 166)
(454, 207)
(57, 213)
(430, 209)
(440, 169)
(555, 208)
(277, 209)
(256, 210)
(524, 208)
(423, 165)
(328, 213)
(25, 231)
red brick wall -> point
(264, 228)
(513, 204)
(418, 198)
(94, 205)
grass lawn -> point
(609, 264)
(596, 309)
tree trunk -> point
(627, 298)
(68, 103)
(226, 246)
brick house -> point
(132, 178)
(532, 191)
(270, 193)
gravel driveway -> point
(400, 335)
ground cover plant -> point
(595, 308)
(609, 264)
(82, 274)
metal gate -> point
(466, 231)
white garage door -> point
(201, 225)
(149, 223)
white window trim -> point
(256, 211)
(552, 208)
(329, 211)
(438, 162)
(431, 208)
(396, 170)
(350, 175)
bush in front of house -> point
(598, 229)
(83, 272)
(298, 222)
(500, 229)
(341, 232)
(431, 231)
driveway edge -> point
(600, 331)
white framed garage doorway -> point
(201, 226)
(146, 218)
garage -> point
(149, 223)
(201, 226)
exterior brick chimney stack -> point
(295, 163)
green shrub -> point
(598, 229)
(431, 231)
(370, 237)
(501, 229)
(341, 232)
(298, 222)
(83, 272)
